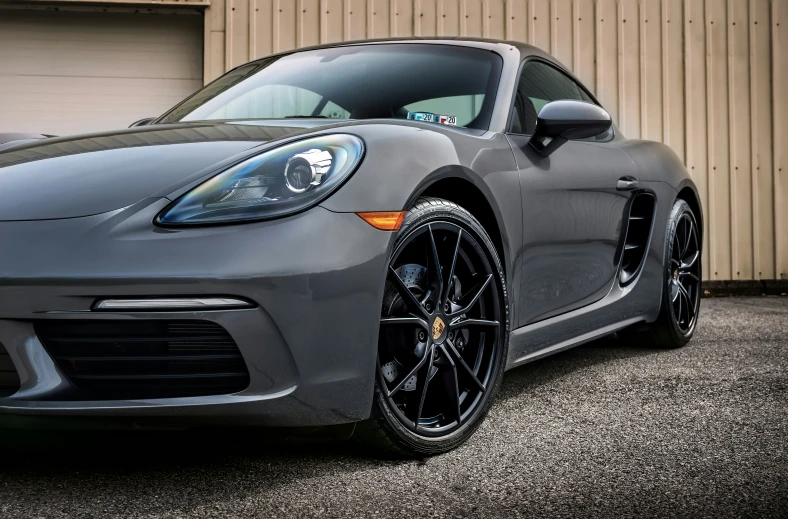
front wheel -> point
(443, 333)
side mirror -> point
(561, 121)
(142, 122)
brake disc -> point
(406, 345)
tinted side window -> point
(540, 84)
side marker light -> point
(385, 221)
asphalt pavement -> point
(607, 429)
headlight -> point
(275, 183)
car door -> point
(572, 210)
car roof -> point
(484, 43)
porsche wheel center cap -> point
(438, 329)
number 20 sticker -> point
(450, 120)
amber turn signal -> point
(385, 221)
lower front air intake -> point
(145, 359)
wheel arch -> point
(689, 194)
(465, 194)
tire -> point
(388, 430)
(669, 330)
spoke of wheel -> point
(476, 294)
(472, 322)
(398, 321)
(675, 252)
(419, 365)
(450, 274)
(407, 296)
(691, 262)
(434, 273)
(685, 308)
(690, 275)
(673, 297)
(687, 237)
(462, 364)
(678, 315)
(422, 385)
(681, 232)
(452, 385)
(688, 299)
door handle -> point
(626, 184)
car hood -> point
(85, 175)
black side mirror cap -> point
(143, 122)
(560, 121)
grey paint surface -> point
(317, 276)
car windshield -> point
(400, 81)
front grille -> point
(9, 378)
(145, 359)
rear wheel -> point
(678, 315)
(443, 333)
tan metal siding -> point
(740, 146)
(673, 102)
(717, 120)
(780, 120)
(114, 3)
(607, 56)
(707, 77)
(696, 142)
(761, 140)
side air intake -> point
(639, 224)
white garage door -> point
(73, 72)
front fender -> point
(403, 160)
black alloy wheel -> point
(442, 328)
(684, 281)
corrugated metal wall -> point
(707, 77)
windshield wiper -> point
(306, 117)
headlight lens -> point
(275, 183)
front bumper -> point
(309, 346)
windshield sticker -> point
(450, 120)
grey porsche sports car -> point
(363, 233)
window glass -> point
(268, 102)
(334, 111)
(540, 84)
(355, 82)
